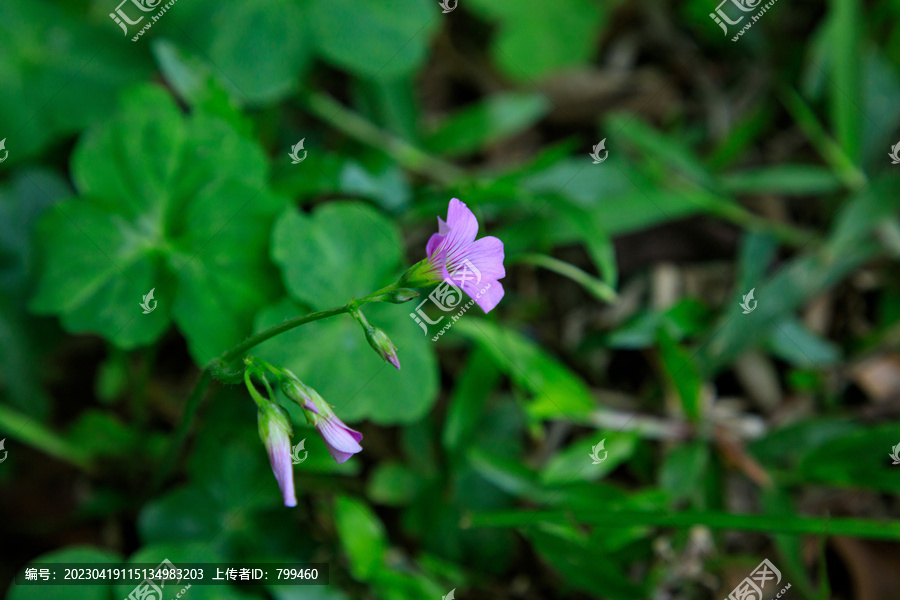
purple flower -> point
(455, 256)
(275, 431)
(341, 441)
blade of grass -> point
(831, 151)
(591, 284)
(773, 524)
(845, 96)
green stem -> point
(28, 431)
(223, 370)
(356, 126)
(239, 350)
(774, 524)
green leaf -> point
(558, 392)
(773, 524)
(681, 369)
(796, 180)
(45, 52)
(362, 536)
(182, 515)
(166, 203)
(529, 45)
(473, 387)
(578, 560)
(655, 144)
(343, 250)
(683, 470)
(802, 348)
(615, 200)
(240, 38)
(333, 356)
(373, 39)
(393, 484)
(598, 243)
(78, 555)
(99, 433)
(23, 199)
(850, 244)
(195, 82)
(489, 121)
(858, 459)
(389, 187)
(784, 447)
(574, 463)
(843, 45)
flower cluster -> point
(275, 426)
(452, 253)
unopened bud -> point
(301, 393)
(381, 343)
(275, 432)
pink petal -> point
(283, 468)
(486, 294)
(433, 242)
(463, 227)
(485, 255)
(341, 441)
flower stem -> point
(220, 368)
(237, 352)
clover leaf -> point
(176, 204)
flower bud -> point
(275, 432)
(381, 343)
(341, 441)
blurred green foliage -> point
(163, 164)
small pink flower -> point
(341, 441)
(454, 256)
(275, 432)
